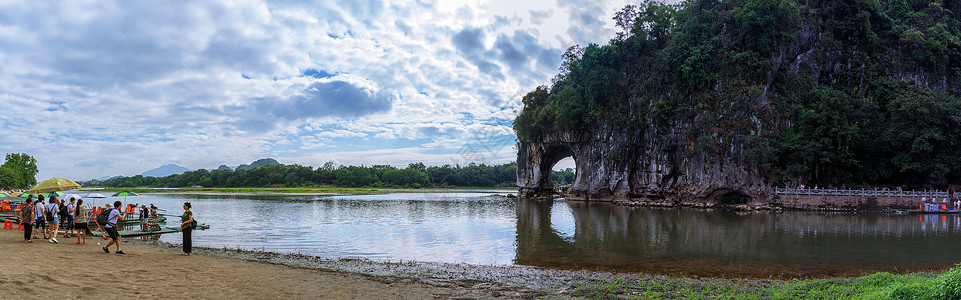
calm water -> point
(482, 229)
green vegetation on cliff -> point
(833, 92)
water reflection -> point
(480, 229)
(722, 243)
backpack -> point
(103, 217)
(47, 214)
(63, 210)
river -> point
(479, 228)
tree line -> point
(415, 175)
(19, 171)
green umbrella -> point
(124, 195)
(53, 185)
(48, 195)
(23, 195)
(4, 195)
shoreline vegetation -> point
(271, 174)
(229, 273)
(516, 281)
(304, 190)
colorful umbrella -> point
(5, 195)
(21, 195)
(124, 194)
(48, 195)
(53, 185)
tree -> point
(24, 166)
(9, 178)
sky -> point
(103, 88)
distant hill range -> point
(172, 169)
(165, 170)
(257, 164)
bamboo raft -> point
(135, 233)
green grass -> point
(338, 190)
(875, 286)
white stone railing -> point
(866, 193)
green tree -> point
(25, 166)
(9, 178)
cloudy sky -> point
(103, 88)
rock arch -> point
(538, 162)
(642, 167)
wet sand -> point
(67, 270)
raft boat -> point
(134, 233)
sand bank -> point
(67, 270)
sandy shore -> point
(67, 270)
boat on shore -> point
(135, 233)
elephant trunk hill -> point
(719, 102)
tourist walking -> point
(41, 225)
(112, 218)
(187, 226)
(52, 217)
(70, 218)
(81, 218)
(26, 218)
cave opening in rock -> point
(734, 198)
(559, 167)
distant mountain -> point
(257, 164)
(107, 178)
(224, 167)
(166, 170)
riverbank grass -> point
(875, 286)
(304, 190)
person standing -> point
(70, 218)
(26, 218)
(186, 225)
(81, 218)
(144, 216)
(41, 225)
(110, 227)
(53, 220)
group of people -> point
(47, 219)
(38, 218)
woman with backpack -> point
(81, 218)
(26, 218)
(53, 219)
(187, 225)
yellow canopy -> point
(54, 185)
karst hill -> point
(705, 100)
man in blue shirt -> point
(111, 227)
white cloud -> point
(98, 88)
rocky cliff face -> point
(615, 164)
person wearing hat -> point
(144, 215)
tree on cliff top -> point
(831, 92)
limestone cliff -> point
(714, 102)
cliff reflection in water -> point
(723, 243)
